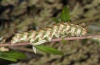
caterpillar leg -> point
(34, 49)
(40, 42)
(37, 43)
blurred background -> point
(24, 15)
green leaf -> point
(8, 58)
(48, 49)
(12, 55)
(65, 15)
(55, 19)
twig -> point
(17, 44)
(53, 40)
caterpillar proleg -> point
(46, 34)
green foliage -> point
(65, 15)
(12, 55)
(48, 49)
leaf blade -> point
(12, 55)
(48, 49)
(65, 17)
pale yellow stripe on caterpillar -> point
(50, 34)
(68, 28)
(60, 30)
(20, 37)
(47, 34)
(16, 38)
(81, 31)
(31, 36)
(24, 36)
(72, 30)
(77, 30)
(54, 31)
(39, 34)
(39, 38)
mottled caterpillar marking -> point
(46, 34)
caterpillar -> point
(46, 34)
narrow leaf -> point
(12, 55)
(65, 15)
(48, 49)
(8, 58)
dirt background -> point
(24, 15)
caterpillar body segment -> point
(16, 38)
(48, 35)
(44, 35)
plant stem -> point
(76, 38)
(53, 40)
